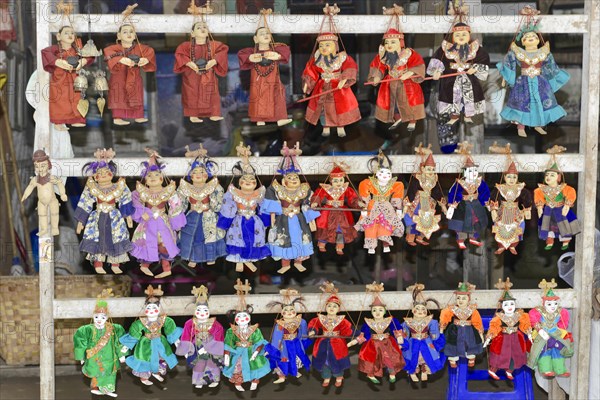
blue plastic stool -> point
(459, 377)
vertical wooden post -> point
(46, 282)
(586, 209)
(43, 40)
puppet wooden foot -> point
(210, 262)
(280, 380)
(411, 126)
(196, 120)
(111, 394)
(509, 375)
(540, 130)
(322, 248)
(468, 120)
(251, 266)
(78, 125)
(192, 264)
(386, 249)
(141, 120)
(371, 378)
(493, 375)
(144, 268)
(299, 266)
(260, 123)
(341, 132)
(198, 386)
(452, 363)
(239, 388)
(392, 378)
(549, 244)
(97, 392)
(475, 242)
(500, 250)
(395, 124)
(163, 274)
(213, 384)
(254, 384)
(298, 375)
(61, 127)
(283, 122)
(284, 269)
(410, 239)
(414, 378)
(565, 245)
(121, 122)
(461, 244)
(239, 267)
(147, 382)
(565, 375)
(116, 269)
(521, 132)
(371, 251)
(452, 121)
(339, 250)
(158, 377)
(325, 382)
(421, 240)
(471, 362)
(424, 376)
(99, 268)
(215, 118)
(339, 381)
(326, 131)
(512, 250)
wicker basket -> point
(20, 308)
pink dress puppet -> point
(159, 214)
(330, 69)
(64, 61)
(335, 225)
(202, 343)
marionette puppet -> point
(460, 64)
(552, 342)
(467, 198)
(383, 196)
(242, 217)
(327, 77)
(159, 213)
(105, 234)
(200, 240)
(202, 343)
(398, 70)
(96, 346)
(335, 225)
(424, 193)
(506, 335)
(554, 200)
(45, 183)
(68, 82)
(290, 236)
(267, 92)
(287, 352)
(531, 101)
(126, 60)
(330, 331)
(423, 341)
(510, 205)
(150, 337)
(462, 327)
(380, 338)
(244, 344)
(200, 61)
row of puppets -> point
(460, 65)
(420, 345)
(200, 222)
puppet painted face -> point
(199, 175)
(242, 318)
(551, 178)
(291, 181)
(530, 39)
(337, 182)
(103, 175)
(247, 182)
(392, 45)
(511, 179)
(152, 310)
(200, 31)
(461, 37)
(202, 312)
(384, 175)
(263, 36)
(126, 34)
(66, 36)
(288, 312)
(154, 179)
(332, 308)
(509, 307)
(378, 312)
(470, 174)
(41, 168)
(551, 305)
(100, 320)
(419, 311)
(327, 48)
(428, 170)
(462, 300)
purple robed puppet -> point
(159, 214)
(202, 343)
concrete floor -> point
(178, 386)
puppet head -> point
(393, 43)
(511, 175)
(328, 44)
(152, 303)
(378, 307)
(103, 169)
(126, 34)
(470, 170)
(200, 31)
(263, 36)
(428, 166)
(506, 300)
(41, 163)
(381, 166)
(290, 300)
(337, 175)
(152, 171)
(101, 309)
(202, 168)
(66, 36)
(550, 300)
(463, 294)
(202, 313)
(552, 175)
(461, 34)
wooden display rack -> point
(584, 163)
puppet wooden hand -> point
(122, 359)
(342, 83)
(82, 63)
(145, 217)
(211, 63)
(494, 215)
(202, 351)
(376, 80)
(65, 198)
(272, 55)
(255, 58)
(226, 360)
(352, 343)
(63, 64)
(450, 213)
(471, 71)
(540, 210)
(79, 228)
(565, 210)
(406, 75)
(254, 355)
(543, 334)
(486, 343)
(436, 75)
(143, 61)
(127, 61)
(193, 66)
(129, 222)
(82, 361)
